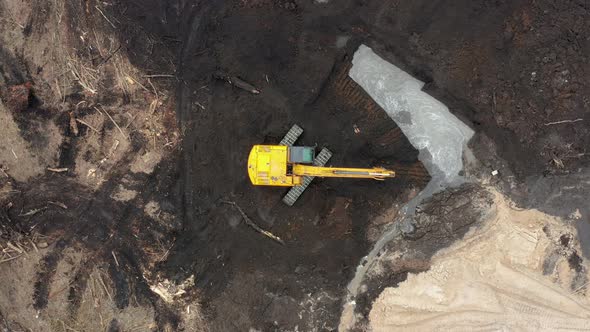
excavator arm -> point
(376, 173)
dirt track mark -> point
(12, 70)
(416, 172)
(121, 286)
(78, 286)
(114, 326)
(353, 94)
(36, 22)
(45, 275)
(388, 135)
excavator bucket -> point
(320, 160)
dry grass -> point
(70, 69)
(16, 248)
(86, 76)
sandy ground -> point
(515, 272)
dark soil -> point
(474, 56)
(510, 68)
(289, 52)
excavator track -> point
(320, 160)
(292, 136)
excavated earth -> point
(121, 149)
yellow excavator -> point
(286, 165)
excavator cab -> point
(301, 154)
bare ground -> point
(119, 144)
(83, 132)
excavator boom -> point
(340, 172)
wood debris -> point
(3, 169)
(105, 287)
(113, 121)
(13, 249)
(564, 121)
(169, 291)
(60, 204)
(9, 259)
(159, 75)
(115, 257)
(33, 212)
(105, 17)
(58, 170)
(237, 82)
(250, 223)
(88, 125)
(73, 124)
